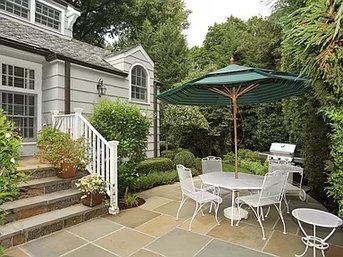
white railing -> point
(102, 153)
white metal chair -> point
(291, 186)
(200, 196)
(211, 164)
(272, 192)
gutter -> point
(50, 56)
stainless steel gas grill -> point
(281, 157)
(281, 152)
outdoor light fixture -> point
(101, 88)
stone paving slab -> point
(178, 243)
(53, 245)
(124, 242)
(219, 248)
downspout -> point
(67, 87)
(155, 115)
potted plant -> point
(67, 154)
(47, 137)
(93, 187)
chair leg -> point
(279, 210)
(216, 212)
(183, 200)
(285, 200)
(259, 216)
(197, 208)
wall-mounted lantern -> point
(101, 88)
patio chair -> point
(200, 196)
(291, 186)
(272, 192)
(211, 164)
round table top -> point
(317, 217)
(227, 180)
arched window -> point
(139, 84)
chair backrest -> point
(287, 167)
(186, 181)
(211, 164)
(273, 187)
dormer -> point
(52, 16)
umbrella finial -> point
(232, 60)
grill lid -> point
(282, 149)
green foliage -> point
(186, 158)
(127, 177)
(155, 165)
(312, 45)
(130, 200)
(101, 17)
(248, 162)
(9, 155)
(123, 122)
(48, 136)
(154, 179)
(254, 167)
(67, 150)
(336, 165)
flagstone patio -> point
(151, 230)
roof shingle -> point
(73, 49)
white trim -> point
(38, 83)
(61, 30)
(131, 52)
(147, 102)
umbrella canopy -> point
(270, 86)
(235, 85)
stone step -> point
(28, 207)
(34, 169)
(21, 231)
(47, 185)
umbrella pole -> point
(234, 106)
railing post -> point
(53, 114)
(113, 177)
(76, 127)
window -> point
(47, 16)
(139, 90)
(21, 108)
(17, 7)
(13, 76)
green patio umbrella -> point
(236, 85)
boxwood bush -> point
(154, 179)
(155, 165)
(186, 158)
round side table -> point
(316, 218)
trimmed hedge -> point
(155, 165)
(154, 179)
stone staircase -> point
(46, 204)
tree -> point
(101, 17)
(314, 37)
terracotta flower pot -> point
(68, 170)
(92, 199)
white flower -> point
(12, 160)
(8, 135)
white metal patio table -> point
(316, 218)
(228, 181)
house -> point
(44, 69)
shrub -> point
(186, 158)
(247, 154)
(170, 153)
(127, 176)
(154, 179)
(125, 123)
(154, 165)
(9, 155)
(254, 167)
